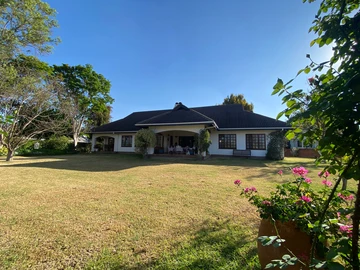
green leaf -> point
(335, 266)
(279, 115)
(278, 86)
(269, 265)
(290, 135)
(290, 103)
(286, 257)
(312, 42)
(328, 41)
(320, 265)
(307, 70)
(300, 71)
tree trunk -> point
(10, 155)
(344, 184)
(76, 139)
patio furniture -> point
(242, 153)
(178, 149)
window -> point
(126, 141)
(227, 141)
(255, 141)
(159, 140)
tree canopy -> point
(89, 94)
(26, 26)
(238, 99)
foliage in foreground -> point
(330, 112)
(297, 201)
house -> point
(299, 148)
(230, 127)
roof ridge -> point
(155, 116)
(202, 115)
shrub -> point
(57, 143)
(144, 139)
(204, 141)
(3, 151)
(276, 146)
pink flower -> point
(280, 172)
(237, 182)
(346, 229)
(346, 198)
(305, 199)
(324, 174)
(326, 183)
(301, 171)
(308, 180)
(250, 189)
(311, 80)
(266, 203)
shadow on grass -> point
(216, 245)
(117, 162)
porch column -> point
(93, 141)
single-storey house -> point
(230, 126)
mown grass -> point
(123, 212)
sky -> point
(158, 52)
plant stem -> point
(327, 203)
(279, 236)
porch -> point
(175, 143)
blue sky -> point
(158, 52)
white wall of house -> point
(186, 131)
(117, 141)
(240, 142)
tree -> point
(144, 139)
(238, 99)
(204, 141)
(31, 103)
(89, 94)
(99, 118)
(26, 25)
(275, 149)
(335, 99)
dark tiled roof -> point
(234, 116)
(180, 115)
(224, 116)
(128, 123)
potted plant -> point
(290, 222)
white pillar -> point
(93, 141)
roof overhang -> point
(256, 128)
(113, 132)
(175, 124)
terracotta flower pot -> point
(295, 240)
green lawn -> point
(123, 212)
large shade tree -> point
(89, 94)
(32, 102)
(25, 27)
(335, 99)
(238, 99)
